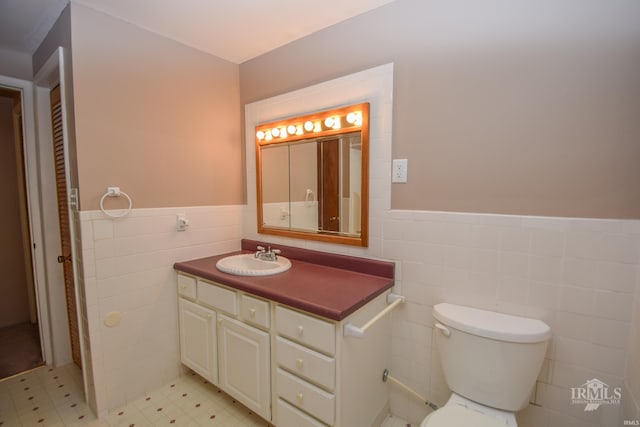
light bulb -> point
(291, 130)
(275, 132)
(260, 135)
(328, 122)
(308, 126)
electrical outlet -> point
(399, 170)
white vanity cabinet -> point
(324, 379)
(291, 367)
(218, 345)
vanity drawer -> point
(254, 310)
(217, 297)
(307, 397)
(307, 363)
(307, 330)
(289, 416)
(187, 286)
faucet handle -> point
(276, 251)
(260, 248)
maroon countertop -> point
(329, 285)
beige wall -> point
(522, 108)
(13, 292)
(156, 118)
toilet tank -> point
(488, 357)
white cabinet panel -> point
(254, 311)
(288, 416)
(218, 297)
(187, 286)
(307, 363)
(307, 397)
(245, 364)
(198, 339)
(307, 330)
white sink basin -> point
(249, 265)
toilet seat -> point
(459, 416)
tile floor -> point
(54, 397)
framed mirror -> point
(313, 176)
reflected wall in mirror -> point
(313, 176)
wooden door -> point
(328, 185)
(64, 219)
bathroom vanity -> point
(276, 343)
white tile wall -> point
(578, 275)
(128, 268)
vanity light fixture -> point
(319, 124)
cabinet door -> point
(245, 364)
(198, 339)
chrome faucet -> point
(267, 254)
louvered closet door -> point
(63, 215)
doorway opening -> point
(20, 341)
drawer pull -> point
(300, 398)
(252, 312)
(300, 363)
(300, 330)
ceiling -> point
(235, 30)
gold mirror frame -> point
(294, 129)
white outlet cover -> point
(399, 170)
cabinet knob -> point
(207, 316)
(220, 320)
(300, 330)
(300, 397)
(252, 312)
(300, 363)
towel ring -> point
(115, 192)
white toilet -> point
(490, 362)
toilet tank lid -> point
(489, 324)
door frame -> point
(57, 71)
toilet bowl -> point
(459, 411)
(490, 362)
